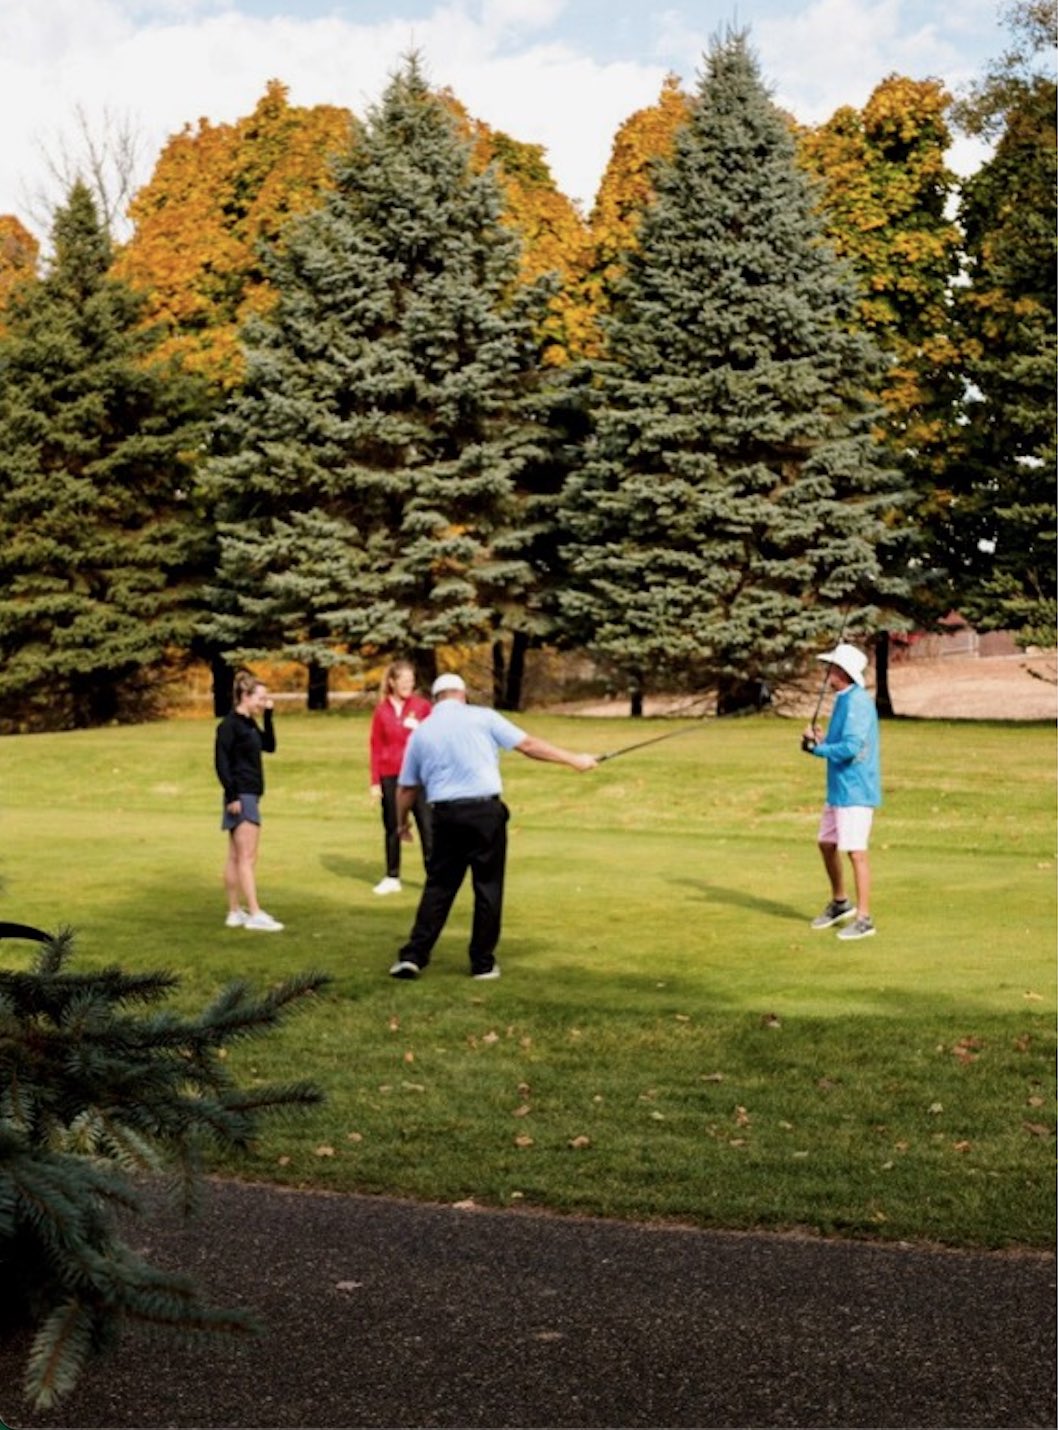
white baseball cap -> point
(447, 682)
(847, 658)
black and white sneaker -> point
(836, 912)
(404, 968)
(862, 928)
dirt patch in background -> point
(1006, 687)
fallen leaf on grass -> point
(491, 1037)
(394, 1024)
(323, 1151)
(1022, 1043)
(409, 1056)
(1035, 1102)
(524, 1089)
(413, 1086)
(522, 1111)
(825, 1084)
(1033, 997)
(742, 1118)
(523, 1140)
(577, 1143)
(961, 1146)
(713, 1077)
(682, 1017)
(348, 1285)
(1036, 1129)
(658, 1116)
(934, 1108)
(282, 1161)
(771, 1020)
(467, 1205)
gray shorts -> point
(251, 812)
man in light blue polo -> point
(454, 758)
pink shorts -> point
(847, 825)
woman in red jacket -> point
(396, 716)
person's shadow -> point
(717, 894)
(360, 871)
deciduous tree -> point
(1000, 523)
(218, 199)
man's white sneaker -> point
(387, 886)
(404, 968)
(493, 972)
(236, 919)
(262, 922)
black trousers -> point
(421, 812)
(467, 834)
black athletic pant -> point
(421, 811)
(467, 834)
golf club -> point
(639, 744)
(806, 743)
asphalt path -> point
(386, 1313)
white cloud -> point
(161, 64)
(834, 52)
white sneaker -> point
(493, 972)
(262, 922)
(236, 918)
(387, 886)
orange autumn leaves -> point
(221, 192)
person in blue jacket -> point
(854, 790)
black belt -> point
(463, 803)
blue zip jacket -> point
(850, 749)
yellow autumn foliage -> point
(19, 251)
(217, 193)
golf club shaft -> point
(823, 683)
(639, 744)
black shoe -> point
(836, 912)
(404, 968)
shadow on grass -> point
(740, 899)
(364, 871)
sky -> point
(561, 73)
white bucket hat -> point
(847, 658)
(447, 682)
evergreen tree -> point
(998, 527)
(734, 492)
(99, 535)
(368, 491)
(91, 1094)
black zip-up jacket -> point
(238, 754)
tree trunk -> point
(498, 672)
(317, 686)
(740, 697)
(424, 659)
(635, 694)
(516, 671)
(223, 684)
(883, 701)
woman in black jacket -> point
(240, 743)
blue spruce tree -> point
(370, 482)
(734, 494)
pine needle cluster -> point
(99, 1087)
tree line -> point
(357, 387)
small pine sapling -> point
(97, 1087)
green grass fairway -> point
(669, 1039)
